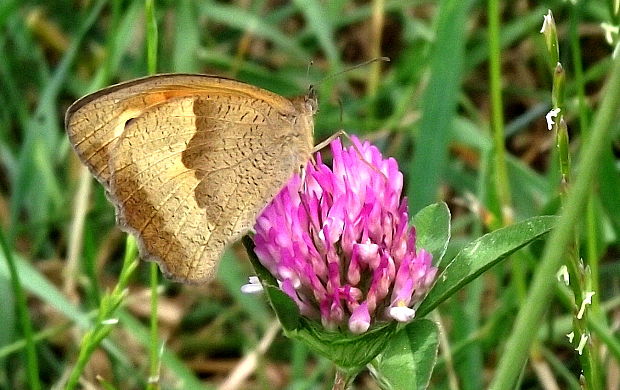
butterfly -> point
(190, 160)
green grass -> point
(436, 108)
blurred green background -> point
(429, 107)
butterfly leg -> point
(343, 133)
(328, 140)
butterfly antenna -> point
(310, 64)
(370, 61)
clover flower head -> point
(339, 244)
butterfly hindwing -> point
(189, 161)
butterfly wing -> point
(189, 161)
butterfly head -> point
(310, 100)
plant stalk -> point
(537, 301)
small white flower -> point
(110, 321)
(587, 300)
(401, 313)
(582, 343)
(153, 379)
(610, 30)
(549, 117)
(253, 287)
(562, 275)
(547, 20)
(570, 337)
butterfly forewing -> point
(189, 161)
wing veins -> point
(171, 156)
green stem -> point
(538, 298)
(154, 347)
(105, 318)
(502, 185)
(32, 364)
(378, 10)
(343, 379)
(42, 335)
(592, 256)
(497, 112)
(580, 281)
(151, 36)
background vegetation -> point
(430, 107)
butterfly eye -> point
(129, 122)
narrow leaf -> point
(236, 17)
(482, 254)
(408, 360)
(432, 225)
(439, 102)
(346, 350)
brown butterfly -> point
(190, 160)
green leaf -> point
(322, 27)
(408, 360)
(186, 38)
(432, 225)
(482, 254)
(346, 350)
(439, 102)
(236, 17)
(609, 182)
(286, 309)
